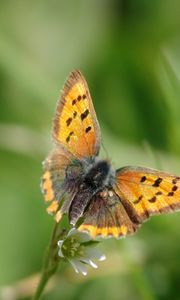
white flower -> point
(78, 249)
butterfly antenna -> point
(152, 154)
(105, 150)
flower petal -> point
(79, 236)
(60, 253)
(102, 258)
(88, 262)
(60, 242)
(93, 253)
(93, 264)
(78, 266)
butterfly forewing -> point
(75, 123)
(145, 192)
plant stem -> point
(50, 263)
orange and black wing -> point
(106, 217)
(145, 192)
(75, 123)
(76, 134)
(137, 194)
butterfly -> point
(97, 198)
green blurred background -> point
(129, 52)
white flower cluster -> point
(79, 249)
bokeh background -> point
(129, 52)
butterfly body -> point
(77, 182)
(83, 179)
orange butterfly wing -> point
(145, 192)
(75, 122)
(76, 133)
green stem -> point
(50, 264)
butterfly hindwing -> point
(75, 123)
(53, 178)
(105, 216)
(145, 192)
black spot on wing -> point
(138, 200)
(153, 199)
(84, 114)
(71, 133)
(157, 182)
(175, 180)
(68, 139)
(68, 121)
(74, 102)
(159, 193)
(88, 129)
(69, 136)
(74, 114)
(143, 178)
(174, 188)
(170, 194)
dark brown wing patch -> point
(106, 216)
